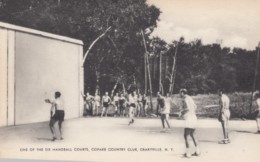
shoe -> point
(133, 120)
(224, 141)
(196, 154)
(187, 155)
(61, 138)
(228, 140)
(53, 139)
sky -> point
(233, 23)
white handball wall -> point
(43, 66)
(33, 66)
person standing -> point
(164, 106)
(132, 105)
(139, 104)
(224, 115)
(57, 114)
(257, 112)
(158, 106)
(88, 104)
(116, 104)
(188, 113)
(145, 104)
(96, 102)
(105, 101)
(121, 104)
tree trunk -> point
(173, 71)
(160, 72)
(150, 82)
(145, 75)
(112, 93)
(97, 79)
(93, 43)
(148, 71)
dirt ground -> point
(111, 139)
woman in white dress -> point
(189, 115)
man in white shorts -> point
(189, 115)
(224, 115)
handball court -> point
(111, 139)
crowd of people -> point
(120, 104)
(136, 105)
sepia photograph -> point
(130, 80)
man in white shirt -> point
(189, 115)
(224, 115)
(57, 114)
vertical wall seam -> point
(14, 52)
(79, 73)
(7, 77)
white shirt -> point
(97, 98)
(224, 102)
(167, 107)
(258, 103)
(116, 98)
(131, 99)
(189, 105)
(57, 104)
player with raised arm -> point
(88, 103)
(164, 107)
(57, 114)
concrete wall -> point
(3, 77)
(6, 77)
(33, 65)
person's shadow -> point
(239, 131)
(43, 139)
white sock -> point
(197, 150)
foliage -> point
(119, 56)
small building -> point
(33, 65)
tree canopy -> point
(118, 58)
